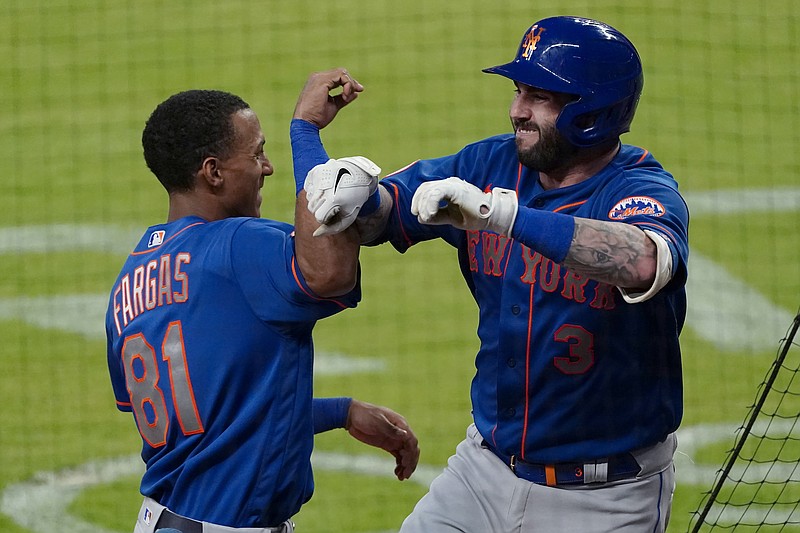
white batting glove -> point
(462, 205)
(337, 189)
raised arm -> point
(372, 225)
(328, 263)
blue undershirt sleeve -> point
(371, 205)
(307, 150)
(548, 233)
(330, 413)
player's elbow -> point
(329, 283)
(643, 270)
(642, 276)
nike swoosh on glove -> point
(337, 189)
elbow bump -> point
(337, 284)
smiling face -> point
(533, 113)
(242, 172)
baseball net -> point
(758, 487)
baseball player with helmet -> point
(209, 322)
(574, 247)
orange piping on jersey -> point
(509, 245)
(569, 205)
(165, 242)
(660, 228)
(299, 284)
(527, 376)
(510, 238)
(399, 170)
(396, 193)
(550, 475)
(643, 156)
(124, 404)
(527, 349)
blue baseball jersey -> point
(567, 370)
(209, 344)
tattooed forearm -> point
(370, 226)
(612, 252)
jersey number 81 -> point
(141, 378)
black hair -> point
(185, 129)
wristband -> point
(307, 150)
(548, 233)
(372, 204)
(330, 413)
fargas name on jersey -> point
(158, 282)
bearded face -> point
(550, 151)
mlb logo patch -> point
(156, 238)
(148, 516)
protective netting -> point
(758, 488)
(79, 77)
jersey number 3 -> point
(581, 349)
(141, 377)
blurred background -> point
(79, 78)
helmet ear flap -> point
(586, 125)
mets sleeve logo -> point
(635, 206)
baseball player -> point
(574, 247)
(209, 323)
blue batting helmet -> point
(588, 59)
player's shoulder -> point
(641, 184)
(639, 165)
(494, 142)
(470, 161)
(220, 235)
(496, 151)
(248, 233)
(251, 224)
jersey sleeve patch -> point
(636, 206)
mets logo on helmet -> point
(530, 41)
(636, 205)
